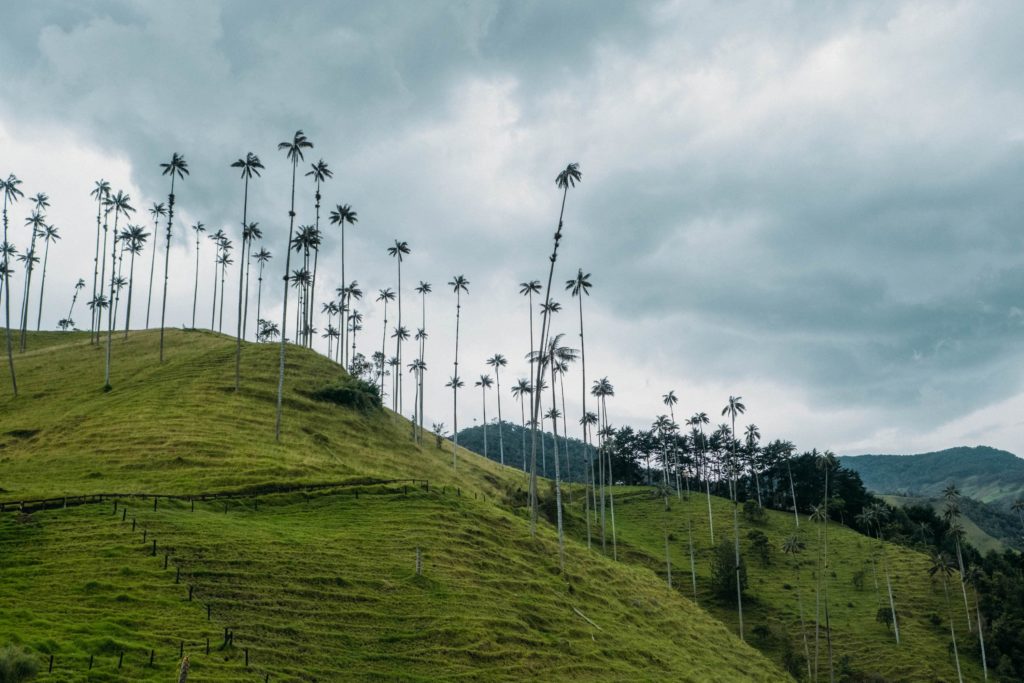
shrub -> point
(884, 616)
(858, 579)
(723, 570)
(761, 545)
(753, 512)
(352, 393)
(16, 665)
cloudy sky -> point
(817, 206)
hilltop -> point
(983, 473)
(365, 579)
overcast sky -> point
(816, 206)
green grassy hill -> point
(976, 535)
(312, 586)
(864, 649)
(985, 474)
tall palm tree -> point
(250, 233)
(498, 361)
(459, 284)
(176, 167)
(320, 174)
(520, 390)
(100, 192)
(578, 287)
(198, 229)
(399, 334)
(588, 421)
(261, 256)
(827, 462)
(50, 234)
(225, 260)
(698, 421)
(341, 215)
(564, 180)
(424, 288)
(942, 566)
(418, 367)
(250, 166)
(293, 150)
(484, 383)
(974, 576)
(398, 250)
(601, 390)
(384, 295)
(330, 309)
(120, 205)
(11, 195)
(670, 400)
(819, 515)
(876, 514)
(136, 240)
(793, 546)
(37, 223)
(552, 353)
(752, 435)
(348, 293)
(79, 286)
(952, 516)
(156, 211)
(218, 238)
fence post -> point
(177, 573)
(124, 514)
(193, 501)
(90, 662)
(190, 593)
(154, 547)
(166, 559)
(133, 524)
(115, 507)
(419, 562)
(154, 503)
(144, 532)
(207, 645)
(152, 654)
(50, 669)
(120, 659)
(181, 650)
(246, 657)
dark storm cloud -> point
(822, 197)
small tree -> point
(16, 665)
(884, 616)
(439, 433)
(761, 545)
(723, 570)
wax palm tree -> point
(11, 195)
(355, 320)
(417, 367)
(330, 309)
(50, 234)
(341, 215)
(528, 289)
(875, 515)
(698, 421)
(793, 546)
(198, 228)
(218, 238)
(156, 211)
(100, 191)
(262, 257)
(1018, 507)
(553, 352)
(348, 293)
(588, 422)
(268, 331)
(459, 284)
(120, 205)
(136, 240)
(293, 150)
(498, 361)
(564, 180)
(602, 389)
(484, 383)
(398, 250)
(752, 435)
(176, 167)
(399, 334)
(320, 174)
(520, 390)
(819, 515)
(974, 577)
(384, 295)
(250, 166)
(250, 233)
(79, 286)
(943, 567)
(300, 281)
(36, 221)
(424, 288)
(952, 517)
(225, 260)
(670, 400)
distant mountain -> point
(983, 473)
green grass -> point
(976, 536)
(771, 596)
(315, 586)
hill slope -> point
(986, 474)
(312, 587)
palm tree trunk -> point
(42, 286)
(544, 328)
(29, 268)
(383, 345)
(455, 389)
(736, 528)
(963, 584)
(245, 306)
(803, 628)
(501, 438)
(98, 311)
(792, 492)
(95, 261)
(213, 309)
(259, 298)
(981, 633)
(241, 269)
(344, 311)
(131, 284)
(483, 390)
(693, 562)
(558, 482)
(952, 631)
(284, 313)
(195, 289)
(7, 307)
(167, 262)
(110, 315)
(152, 267)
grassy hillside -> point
(986, 474)
(976, 535)
(862, 645)
(315, 587)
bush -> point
(761, 546)
(884, 616)
(753, 512)
(352, 393)
(16, 665)
(858, 579)
(723, 570)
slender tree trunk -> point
(284, 314)
(245, 304)
(963, 583)
(195, 289)
(167, 262)
(259, 298)
(213, 309)
(455, 388)
(544, 328)
(241, 281)
(131, 284)
(29, 268)
(110, 316)
(952, 631)
(42, 286)
(558, 481)
(95, 264)
(736, 528)
(152, 268)
(344, 311)
(483, 390)
(103, 276)
(792, 492)
(501, 437)
(981, 633)
(7, 308)
(693, 562)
